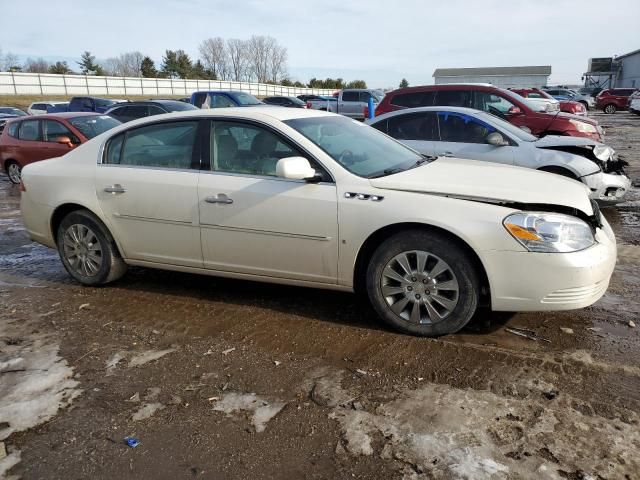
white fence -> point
(50, 84)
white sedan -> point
(476, 135)
(309, 198)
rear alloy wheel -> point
(14, 172)
(611, 108)
(87, 250)
(423, 283)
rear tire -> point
(610, 109)
(88, 251)
(423, 283)
(14, 171)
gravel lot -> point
(233, 380)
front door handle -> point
(117, 188)
(220, 198)
(446, 154)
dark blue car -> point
(223, 99)
(84, 104)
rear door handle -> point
(117, 188)
(219, 198)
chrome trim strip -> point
(265, 232)
(263, 177)
(155, 220)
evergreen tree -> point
(148, 68)
(88, 64)
(404, 83)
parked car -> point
(42, 107)
(498, 101)
(590, 91)
(306, 98)
(567, 106)
(308, 198)
(613, 99)
(223, 99)
(85, 104)
(125, 112)
(30, 139)
(4, 117)
(16, 112)
(567, 94)
(350, 102)
(291, 102)
(476, 135)
(634, 102)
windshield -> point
(246, 99)
(509, 128)
(178, 106)
(12, 111)
(359, 148)
(93, 125)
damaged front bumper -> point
(607, 188)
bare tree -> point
(215, 57)
(125, 65)
(39, 65)
(278, 63)
(238, 58)
(259, 49)
(11, 62)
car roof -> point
(64, 115)
(146, 102)
(465, 110)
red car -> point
(567, 106)
(611, 100)
(29, 139)
(498, 101)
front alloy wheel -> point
(419, 287)
(14, 172)
(423, 282)
(611, 108)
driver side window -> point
(462, 128)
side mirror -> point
(64, 140)
(497, 140)
(295, 168)
(514, 111)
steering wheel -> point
(496, 112)
(346, 157)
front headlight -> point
(583, 127)
(549, 232)
(603, 152)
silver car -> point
(564, 93)
(477, 135)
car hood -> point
(568, 116)
(558, 141)
(491, 183)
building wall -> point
(49, 84)
(630, 77)
(511, 81)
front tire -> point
(423, 283)
(14, 172)
(87, 250)
(610, 109)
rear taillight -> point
(309, 105)
(366, 112)
(22, 187)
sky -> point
(375, 40)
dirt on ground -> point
(226, 379)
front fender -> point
(579, 166)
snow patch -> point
(146, 411)
(261, 409)
(149, 356)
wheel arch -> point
(563, 170)
(65, 209)
(376, 238)
(5, 163)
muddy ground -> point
(226, 379)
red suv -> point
(614, 99)
(29, 139)
(498, 101)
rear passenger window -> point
(112, 155)
(453, 98)
(154, 110)
(12, 129)
(415, 99)
(413, 126)
(199, 99)
(350, 96)
(30, 130)
(166, 145)
(53, 130)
